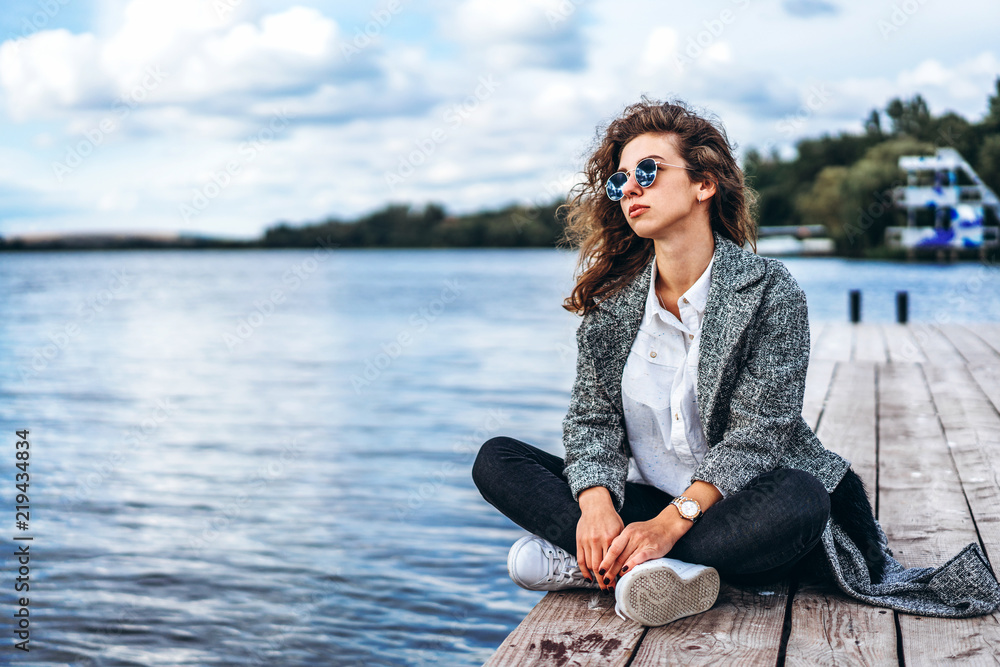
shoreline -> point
(943, 256)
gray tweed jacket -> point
(752, 362)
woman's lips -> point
(636, 209)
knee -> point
(810, 506)
(488, 460)
(812, 499)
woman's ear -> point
(707, 190)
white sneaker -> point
(663, 590)
(539, 565)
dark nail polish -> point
(625, 568)
(601, 572)
(606, 581)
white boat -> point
(947, 185)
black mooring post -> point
(855, 298)
(902, 306)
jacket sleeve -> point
(593, 431)
(765, 400)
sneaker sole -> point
(658, 596)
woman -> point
(684, 435)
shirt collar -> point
(697, 294)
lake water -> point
(262, 457)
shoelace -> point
(563, 568)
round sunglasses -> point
(645, 174)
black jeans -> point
(752, 536)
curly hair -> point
(611, 253)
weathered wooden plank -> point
(937, 348)
(835, 342)
(817, 384)
(815, 331)
(972, 428)
(921, 504)
(989, 333)
(973, 349)
(869, 345)
(577, 627)
(988, 378)
(923, 510)
(901, 344)
(743, 628)
(829, 628)
(848, 423)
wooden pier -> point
(916, 409)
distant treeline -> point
(400, 226)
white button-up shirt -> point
(658, 390)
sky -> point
(225, 117)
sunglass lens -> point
(615, 185)
(645, 172)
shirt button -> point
(691, 336)
(686, 301)
(652, 353)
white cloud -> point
(54, 73)
(485, 22)
(962, 87)
(51, 69)
(518, 33)
(660, 50)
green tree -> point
(911, 117)
(873, 126)
(992, 120)
(822, 203)
(988, 166)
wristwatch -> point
(688, 507)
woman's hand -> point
(598, 527)
(641, 541)
(646, 540)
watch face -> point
(689, 508)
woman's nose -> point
(631, 186)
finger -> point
(581, 560)
(617, 556)
(614, 549)
(613, 558)
(595, 556)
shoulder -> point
(781, 284)
(783, 302)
